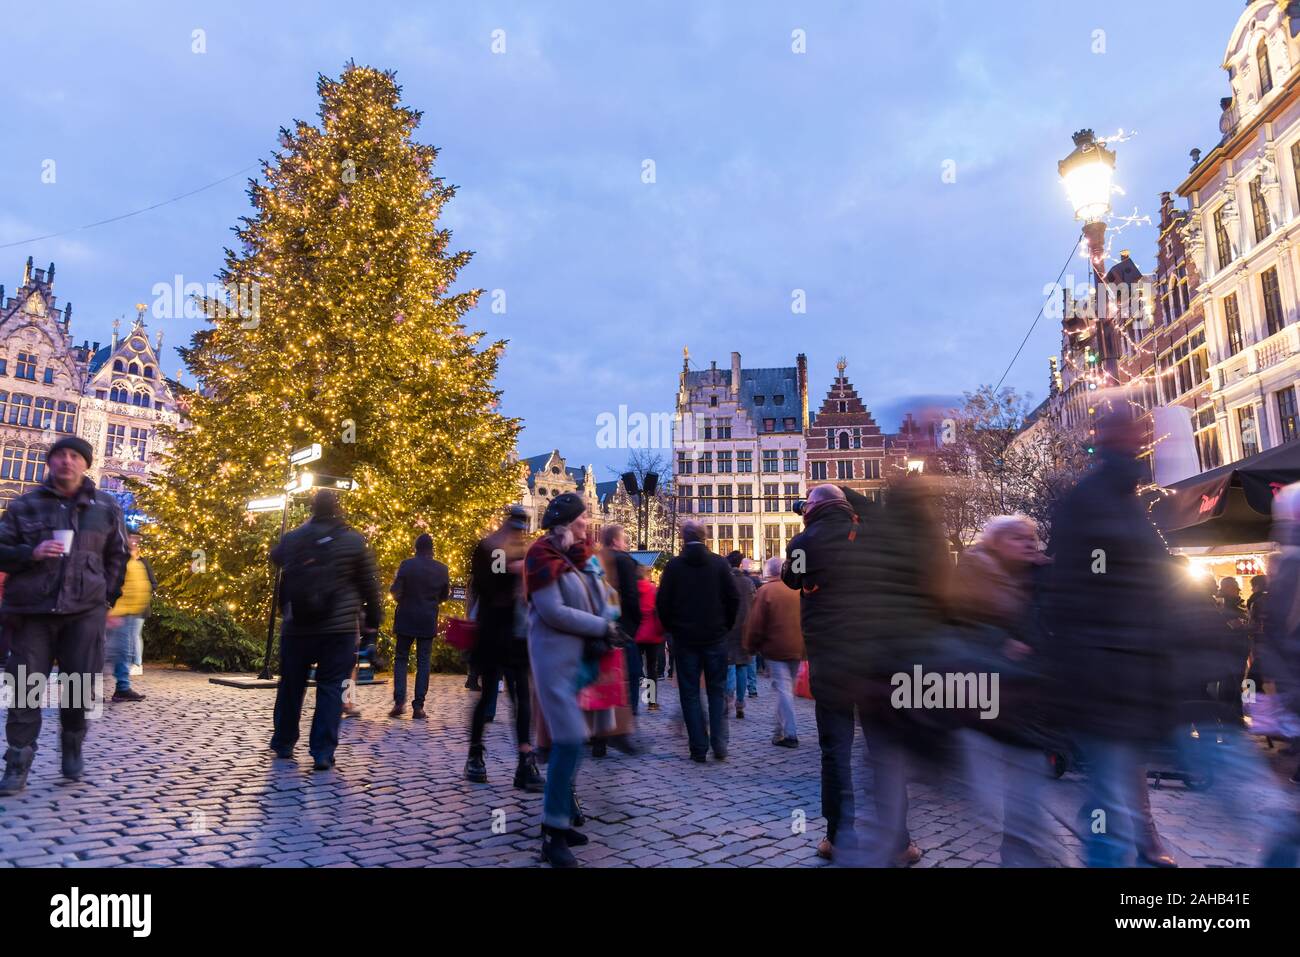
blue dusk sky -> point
(774, 171)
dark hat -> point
(563, 509)
(516, 517)
(78, 445)
(424, 543)
(735, 558)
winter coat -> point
(737, 654)
(560, 616)
(1280, 648)
(698, 600)
(497, 595)
(650, 632)
(87, 578)
(355, 588)
(772, 628)
(629, 595)
(421, 584)
(1108, 609)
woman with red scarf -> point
(566, 606)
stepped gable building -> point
(114, 397)
(845, 447)
(738, 452)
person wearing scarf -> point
(565, 606)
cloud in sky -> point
(776, 171)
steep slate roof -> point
(99, 358)
(782, 381)
(535, 462)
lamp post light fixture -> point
(916, 465)
(1088, 175)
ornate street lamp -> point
(1088, 173)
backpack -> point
(310, 585)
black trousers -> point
(516, 679)
(423, 652)
(76, 642)
(653, 658)
(334, 657)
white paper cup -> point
(64, 537)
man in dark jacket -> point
(697, 604)
(63, 546)
(739, 661)
(329, 581)
(501, 649)
(1108, 612)
(421, 584)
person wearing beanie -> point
(421, 584)
(63, 546)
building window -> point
(744, 461)
(771, 541)
(1295, 168)
(744, 499)
(724, 463)
(4, 402)
(118, 366)
(4, 366)
(758, 400)
(724, 501)
(789, 460)
(724, 428)
(746, 543)
(789, 425)
(139, 443)
(771, 497)
(1258, 209)
(769, 425)
(1249, 432)
(844, 440)
(819, 471)
(11, 467)
(148, 372)
(116, 442)
(791, 495)
(844, 406)
(1286, 414)
(1221, 242)
(20, 409)
(1207, 440)
(26, 366)
(684, 499)
(1273, 315)
(778, 400)
(35, 468)
(769, 460)
(1232, 320)
(706, 463)
(872, 468)
(725, 542)
(705, 495)
(844, 469)
(713, 401)
(708, 429)
(119, 394)
(1265, 73)
(143, 399)
(44, 418)
(49, 375)
(684, 463)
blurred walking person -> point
(772, 630)
(740, 663)
(566, 613)
(63, 547)
(1109, 614)
(650, 635)
(622, 573)
(329, 587)
(501, 649)
(697, 604)
(421, 585)
(126, 622)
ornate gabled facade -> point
(542, 477)
(845, 447)
(49, 387)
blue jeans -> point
(561, 771)
(120, 648)
(711, 661)
(749, 679)
(1115, 773)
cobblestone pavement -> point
(185, 778)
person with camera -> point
(568, 634)
(328, 581)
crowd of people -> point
(1096, 648)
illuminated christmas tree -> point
(339, 329)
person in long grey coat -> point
(565, 607)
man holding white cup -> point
(64, 547)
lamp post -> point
(1087, 174)
(642, 495)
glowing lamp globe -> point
(1087, 174)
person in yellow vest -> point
(126, 621)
